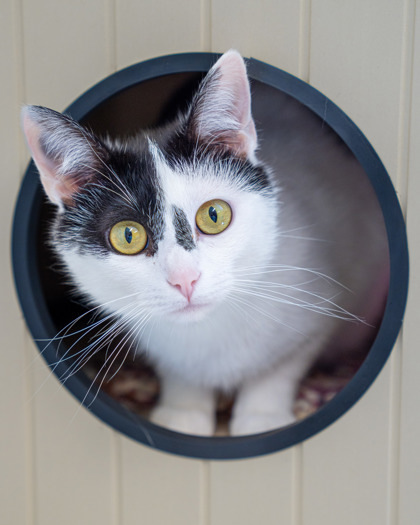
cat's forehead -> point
(188, 182)
(183, 187)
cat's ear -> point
(221, 110)
(67, 155)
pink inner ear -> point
(59, 189)
(230, 103)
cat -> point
(236, 259)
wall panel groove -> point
(401, 181)
(409, 461)
(405, 106)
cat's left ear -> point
(221, 111)
(67, 155)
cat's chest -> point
(218, 352)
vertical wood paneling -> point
(267, 30)
(409, 478)
(15, 502)
(159, 488)
(304, 40)
(252, 491)
(356, 50)
(66, 49)
(157, 27)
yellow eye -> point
(128, 237)
(213, 216)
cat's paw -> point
(256, 423)
(187, 421)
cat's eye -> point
(128, 237)
(213, 216)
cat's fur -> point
(301, 269)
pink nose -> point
(184, 281)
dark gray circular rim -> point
(39, 322)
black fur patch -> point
(182, 148)
(183, 232)
(128, 190)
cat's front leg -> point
(185, 408)
(265, 402)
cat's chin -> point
(191, 312)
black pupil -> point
(213, 214)
(128, 235)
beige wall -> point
(58, 464)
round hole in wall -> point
(142, 96)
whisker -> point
(142, 323)
(117, 350)
(263, 312)
(333, 310)
(105, 339)
(277, 268)
(96, 309)
(86, 353)
(63, 358)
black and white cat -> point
(235, 262)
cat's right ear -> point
(67, 155)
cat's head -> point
(163, 223)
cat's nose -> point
(184, 281)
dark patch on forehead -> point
(181, 149)
(183, 232)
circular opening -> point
(143, 96)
